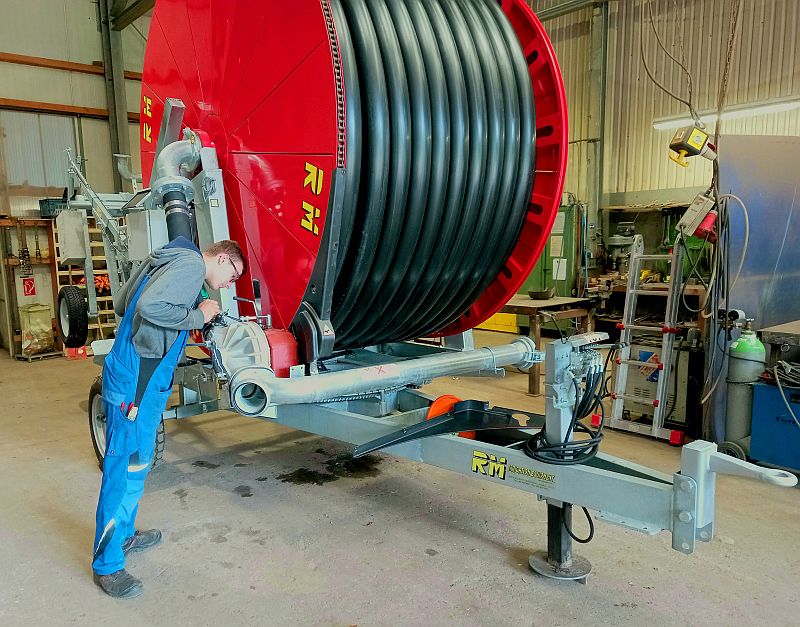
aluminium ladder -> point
(668, 330)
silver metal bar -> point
(570, 6)
(643, 327)
(635, 502)
(646, 364)
(634, 399)
(253, 390)
(137, 9)
(655, 257)
(171, 122)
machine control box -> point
(775, 438)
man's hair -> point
(230, 248)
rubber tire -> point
(73, 299)
(99, 449)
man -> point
(159, 305)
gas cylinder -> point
(746, 361)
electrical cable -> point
(689, 80)
(572, 452)
(746, 235)
(783, 396)
(588, 538)
(555, 322)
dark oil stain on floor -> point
(201, 463)
(244, 491)
(338, 466)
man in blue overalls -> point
(159, 305)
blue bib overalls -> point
(130, 444)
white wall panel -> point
(97, 149)
(571, 39)
(766, 66)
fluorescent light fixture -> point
(734, 112)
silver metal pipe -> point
(177, 159)
(252, 390)
(124, 170)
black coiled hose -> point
(440, 153)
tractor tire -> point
(73, 316)
(97, 426)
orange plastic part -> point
(282, 351)
(444, 404)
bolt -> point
(705, 535)
(685, 546)
(685, 486)
(685, 517)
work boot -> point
(141, 541)
(120, 585)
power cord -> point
(588, 538)
(572, 452)
(787, 368)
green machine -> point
(556, 271)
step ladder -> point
(668, 330)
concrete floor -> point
(410, 545)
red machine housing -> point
(259, 79)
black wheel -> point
(97, 426)
(73, 316)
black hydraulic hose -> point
(501, 81)
(450, 158)
(463, 248)
(438, 193)
(179, 222)
(414, 155)
(399, 168)
(374, 161)
(513, 61)
(431, 120)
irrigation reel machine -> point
(392, 170)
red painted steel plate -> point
(258, 77)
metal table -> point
(557, 308)
(783, 341)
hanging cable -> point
(689, 81)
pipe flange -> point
(168, 184)
(529, 352)
(248, 397)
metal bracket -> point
(684, 512)
(465, 416)
(316, 337)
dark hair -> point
(230, 248)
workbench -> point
(556, 308)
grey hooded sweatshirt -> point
(169, 301)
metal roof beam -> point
(131, 13)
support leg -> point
(534, 372)
(559, 561)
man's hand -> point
(210, 308)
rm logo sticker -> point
(489, 465)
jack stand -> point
(559, 562)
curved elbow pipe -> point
(124, 170)
(253, 390)
(178, 159)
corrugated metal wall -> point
(766, 66)
(67, 30)
(32, 159)
(571, 39)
